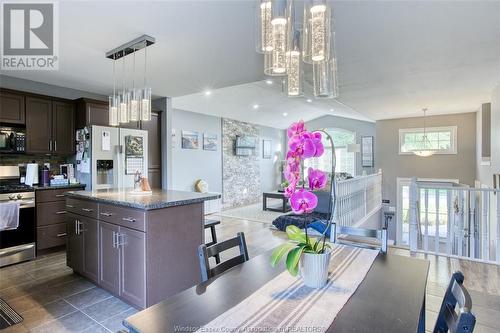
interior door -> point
(38, 125)
(90, 246)
(74, 255)
(129, 159)
(109, 260)
(63, 127)
(132, 266)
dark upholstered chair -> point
(448, 319)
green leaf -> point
(292, 260)
(279, 252)
(296, 234)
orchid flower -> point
(316, 178)
(302, 145)
(303, 201)
(318, 144)
(295, 128)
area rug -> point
(252, 212)
(8, 316)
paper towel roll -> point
(31, 174)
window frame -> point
(452, 129)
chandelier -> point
(298, 45)
(130, 103)
(424, 146)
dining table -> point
(391, 298)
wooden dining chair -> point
(205, 252)
(448, 319)
(368, 236)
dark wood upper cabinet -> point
(91, 112)
(63, 127)
(12, 108)
(38, 125)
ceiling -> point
(395, 57)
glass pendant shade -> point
(294, 67)
(279, 45)
(146, 104)
(113, 111)
(123, 108)
(134, 105)
(263, 33)
(325, 83)
(317, 25)
(425, 148)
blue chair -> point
(448, 319)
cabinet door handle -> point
(120, 240)
(60, 195)
(128, 219)
(87, 209)
(55, 145)
(50, 145)
(61, 212)
(114, 239)
(106, 214)
(77, 232)
(62, 235)
(70, 206)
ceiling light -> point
(309, 100)
(331, 110)
(285, 114)
(207, 93)
(255, 106)
(269, 82)
(425, 149)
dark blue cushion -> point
(299, 221)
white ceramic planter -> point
(314, 268)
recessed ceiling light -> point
(207, 93)
(255, 106)
(309, 100)
(285, 114)
(269, 82)
(331, 110)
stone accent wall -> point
(240, 174)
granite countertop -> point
(57, 187)
(157, 200)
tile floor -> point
(53, 299)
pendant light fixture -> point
(131, 104)
(292, 44)
(113, 101)
(264, 28)
(425, 148)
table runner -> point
(285, 304)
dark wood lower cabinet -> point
(132, 246)
(109, 255)
(82, 245)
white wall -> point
(270, 169)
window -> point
(346, 162)
(442, 139)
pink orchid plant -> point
(302, 145)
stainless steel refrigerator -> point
(108, 157)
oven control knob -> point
(19, 196)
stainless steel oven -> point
(12, 140)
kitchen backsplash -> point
(15, 159)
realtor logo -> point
(30, 34)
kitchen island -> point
(141, 248)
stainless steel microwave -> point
(12, 140)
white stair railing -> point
(358, 199)
(455, 221)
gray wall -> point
(270, 168)
(46, 89)
(188, 165)
(460, 166)
(362, 128)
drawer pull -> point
(70, 206)
(60, 195)
(87, 209)
(128, 219)
(62, 235)
(106, 214)
(61, 212)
